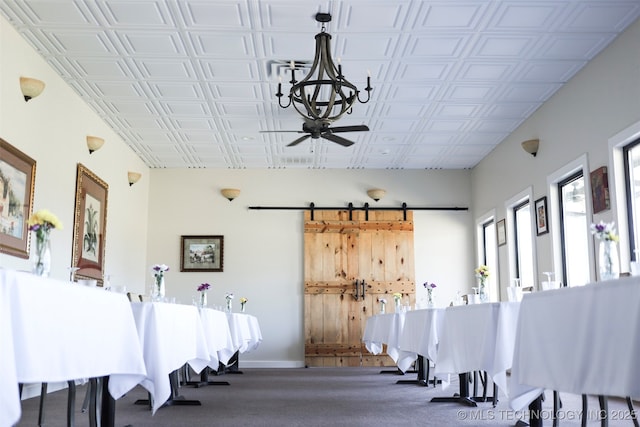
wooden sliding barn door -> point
(339, 253)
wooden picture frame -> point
(501, 232)
(542, 219)
(89, 225)
(17, 182)
(600, 190)
(201, 253)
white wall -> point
(579, 119)
(263, 249)
(52, 129)
(263, 256)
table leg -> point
(420, 374)
(462, 398)
(108, 412)
(204, 380)
(632, 412)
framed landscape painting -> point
(17, 181)
(201, 253)
(89, 225)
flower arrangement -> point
(383, 304)
(204, 287)
(429, 287)
(229, 298)
(158, 272)
(42, 222)
(482, 273)
(243, 301)
(604, 231)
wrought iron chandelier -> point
(324, 95)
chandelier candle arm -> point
(324, 94)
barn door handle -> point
(363, 288)
(355, 288)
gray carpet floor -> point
(317, 397)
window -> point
(574, 231)
(523, 236)
(631, 154)
(489, 257)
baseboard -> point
(271, 363)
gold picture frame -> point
(89, 225)
(17, 182)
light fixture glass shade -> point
(376, 193)
(133, 177)
(230, 193)
(531, 146)
(31, 87)
(94, 143)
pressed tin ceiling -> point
(191, 84)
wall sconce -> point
(133, 177)
(230, 193)
(531, 146)
(376, 193)
(94, 143)
(31, 87)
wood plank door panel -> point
(339, 250)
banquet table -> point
(386, 329)
(582, 340)
(170, 336)
(421, 332)
(217, 332)
(54, 331)
(478, 337)
(245, 332)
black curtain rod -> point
(312, 207)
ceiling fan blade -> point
(298, 141)
(358, 128)
(281, 131)
(337, 139)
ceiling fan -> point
(318, 129)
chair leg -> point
(71, 403)
(632, 412)
(43, 396)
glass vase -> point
(383, 307)
(203, 299)
(398, 305)
(42, 264)
(229, 305)
(242, 307)
(482, 291)
(430, 302)
(608, 260)
(158, 289)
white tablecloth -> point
(478, 337)
(245, 332)
(52, 331)
(583, 340)
(421, 332)
(218, 334)
(386, 329)
(171, 335)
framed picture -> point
(542, 223)
(89, 225)
(600, 190)
(501, 232)
(17, 181)
(201, 253)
